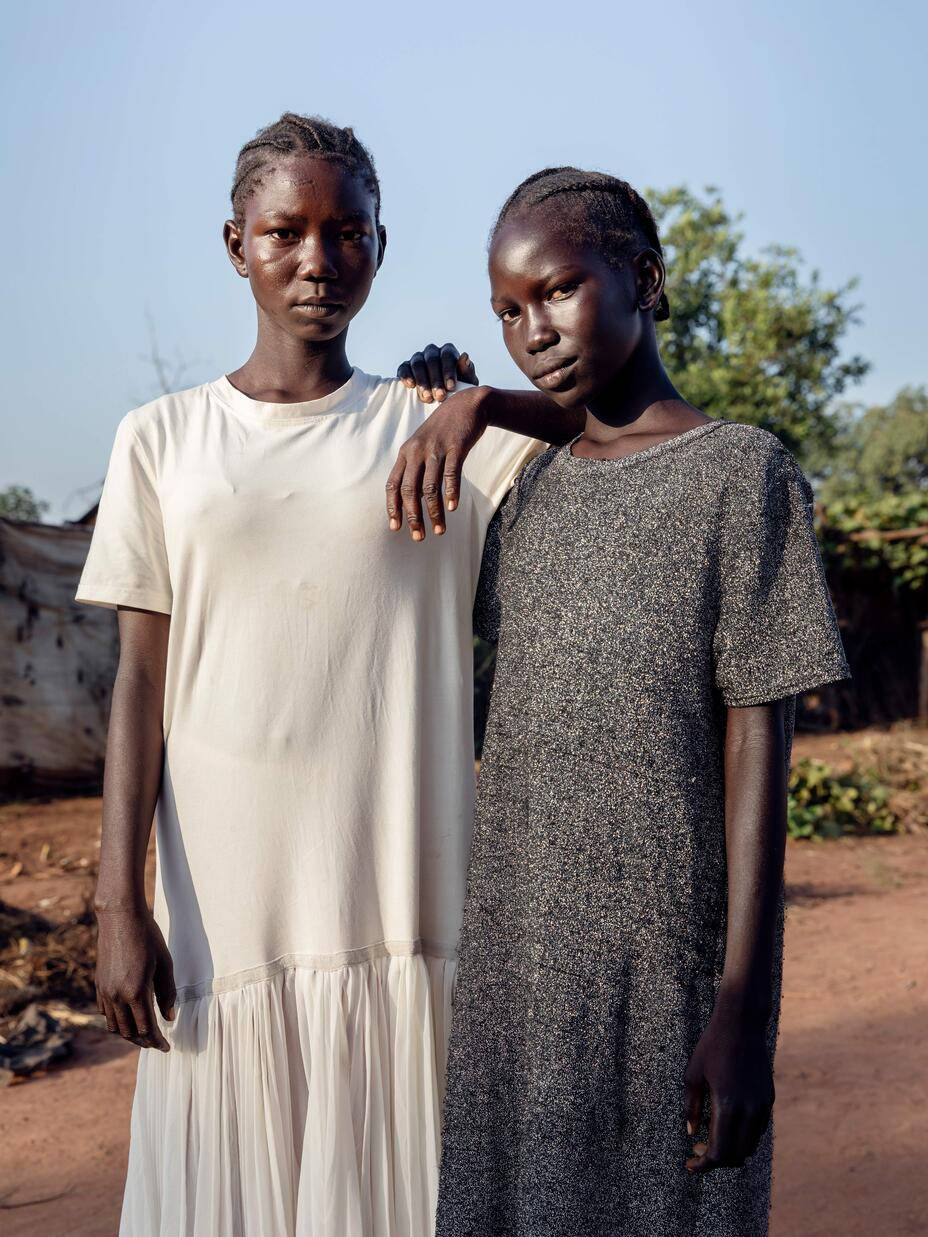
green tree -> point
(750, 338)
(878, 451)
(17, 502)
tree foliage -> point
(878, 451)
(751, 338)
(885, 538)
(17, 502)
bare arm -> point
(731, 1061)
(133, 961)
(429, 463)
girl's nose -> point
(539, 333)
(315, 261)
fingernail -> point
(394, 525)
(171, 1012)
(449, 383)
(452, 504)
(439, 393)
(424, 393)
(418, 536)
(437, 528)
(689, 1128)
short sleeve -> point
(127, 561)
(776, 633)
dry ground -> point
(852, 1069)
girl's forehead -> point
(312, 185)
(532, 242)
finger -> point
(452, 479)
(164, 987)
(404, 373)
(124, 1020)
(724, 1124)
(449, 366)
(431, 492)
(740, 1147)
(420, 373)
(706, 1156)
(146, 1024)
(111, 1024)
(432, 354)
(700, 1161)
(411, 496)
(466, 370)
(694, 1100)
(394, 504)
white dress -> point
(314, 820)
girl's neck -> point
(640, 399)
(286, 370)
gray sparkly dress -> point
(633, 600)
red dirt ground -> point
(852, 1068)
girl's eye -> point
(508, 315)
(282, 234)
(351, 234)
(562, 292)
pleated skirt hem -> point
(305, 1104)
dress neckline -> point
(343, 399)
(659, 448)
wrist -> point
(485, 403)
(120, 904)
(740, 1007)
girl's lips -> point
(323, 310)
(554, 379)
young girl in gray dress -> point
(658, 598)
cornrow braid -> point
(296, 134)
(602, 211)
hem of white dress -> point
(314, 962)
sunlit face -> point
(309, 246)
(570, 320)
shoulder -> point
(528, 481)
(533, 472)
(759, 478)
(391, 393)
(146, 420)
(753, 456)
(748, 444)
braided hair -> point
(295, 135)
(603, 212)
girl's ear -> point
(649, 278)
(235, 247)
(382, 238)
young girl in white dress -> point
(294, 707)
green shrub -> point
(823, 804)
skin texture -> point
(309, 233)
(133, 963)
(428, 465)
(583, 332)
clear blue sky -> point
(122, 121)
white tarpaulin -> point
(57, 661)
